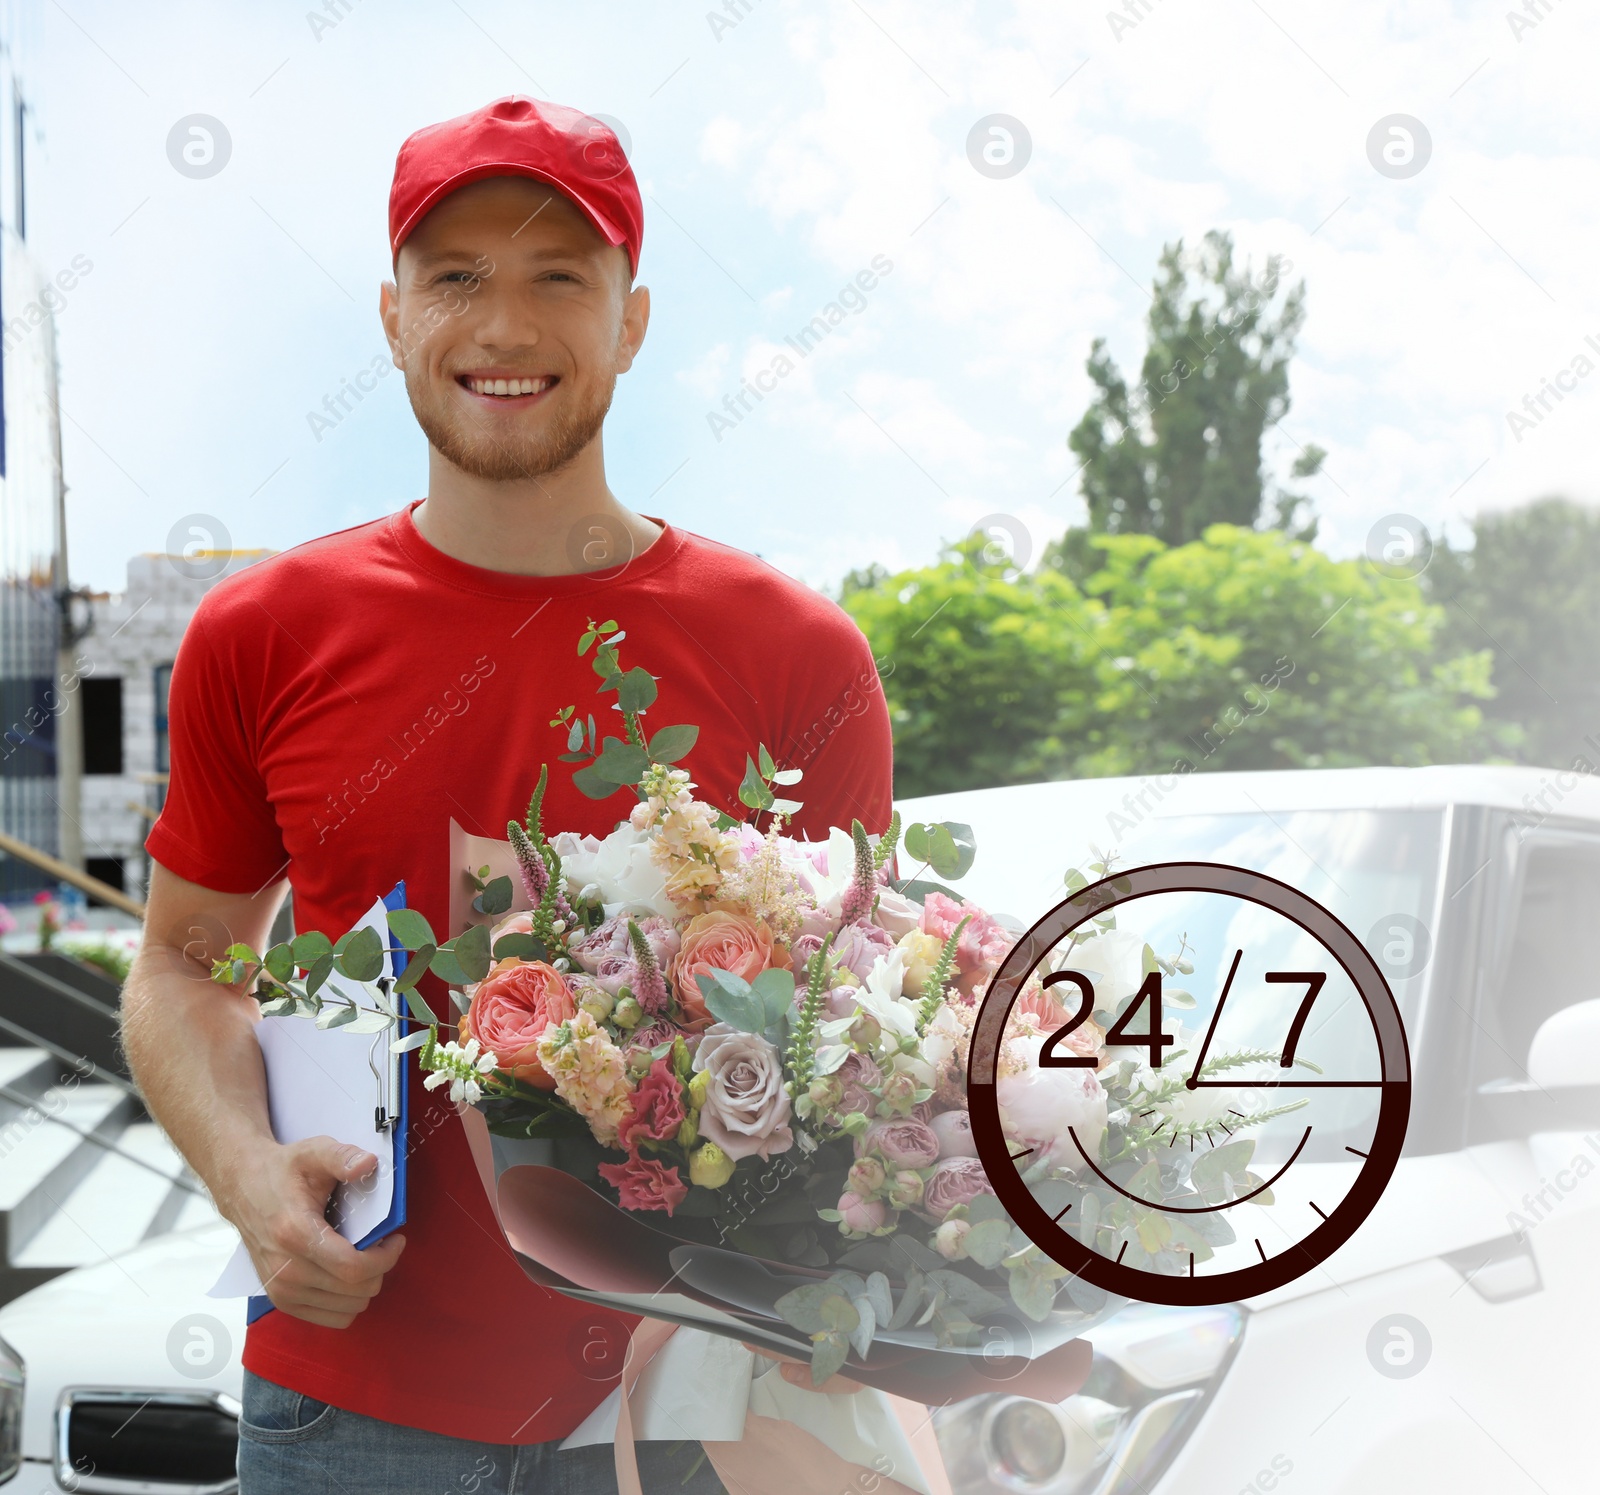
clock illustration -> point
(1201, 1161)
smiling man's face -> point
(511, 319)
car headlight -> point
(12, 1377)
(1154, 1371)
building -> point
(125, 662)
(32, 560)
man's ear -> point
(635, 322)
(389, 315)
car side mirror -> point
(1562, 1090)
(1566, 1049)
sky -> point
(781, 147)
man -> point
(332, 710)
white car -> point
(1443, 1347)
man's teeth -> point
(508, 386)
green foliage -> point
(1526, 591)
(1242, 649)
(1182, 449)
(981, 668)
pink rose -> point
(904, 1143)
(656, 1108)
(954, 1181)
(861, 1216)
(643, 1183)
(511, 1008)
(718, 941)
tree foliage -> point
(1525, 590)
(1181, 450)
(1243, 648)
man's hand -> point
(192, 1049)
(307, 1268)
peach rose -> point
(719, 941)
(511, 1008)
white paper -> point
(700, 1386)
(320, 1083)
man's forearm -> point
(193, 1053)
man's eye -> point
(460, 276)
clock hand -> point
(1211, 1027)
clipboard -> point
(391, 1109)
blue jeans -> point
(291, 1444)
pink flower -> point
(858, 947)
(983, 943)
(510, 1010)
(643, 1183)
(746, 1109)
(860, 1216)
(656, 1108)
(954, 1181)
(902, 1143)
(718, 940)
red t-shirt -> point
(331, 709)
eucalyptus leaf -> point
(520, 947)
(279, 961)
(593, 784)
(361, 959)
(310, 946)
(637, 691)
(337, 1017)
(471, 950)
(321, 969)
(671, 744)
(416, 968)
(495, 898)
(410, 928)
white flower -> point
(460, 1065)
(1114, 962)
(880, 996)
(619, 869)
(1037, 1105)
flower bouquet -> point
(715, 1074)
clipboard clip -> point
(381, 1119)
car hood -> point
(113, 1324)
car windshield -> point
(1375, 870)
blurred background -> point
(1164, 390)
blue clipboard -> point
(260, 1305)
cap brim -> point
(603, 225)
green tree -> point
(1525, 589)
(1242, 649)
(1182, 450)
(1249, 649)
(977, 668)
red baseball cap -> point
(564, 148)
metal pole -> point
(69, 720)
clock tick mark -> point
(1313, 1204)
(1065, 1208)
(1357, 1151)
(1025, 1151)
(1123, 1251)
(1258, 1248)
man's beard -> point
(472, 447)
